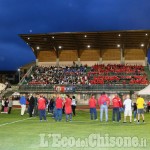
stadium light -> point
(88, 46)
(118, 45)
(37, 47)
(19, 74)
(142, 45)
(60, 47)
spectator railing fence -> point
(27, 74)
(80, 88)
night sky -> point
(46, 16)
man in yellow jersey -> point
(140, 107)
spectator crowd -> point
(97, 74)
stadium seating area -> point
(97, 74)
(58, 75)
(84, 78)
(117, 74)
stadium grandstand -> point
(118, 58)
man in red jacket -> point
(92, 105)
(103, 103)
(68, 108)
(116, 102)
(42, 107)
(59, 106)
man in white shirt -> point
(128, 108)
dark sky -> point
(45, 16)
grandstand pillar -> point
(100, 60)
(100, 57)
(37, 61)
(122, 61)
(57, 61)
(146, 61)
(79, 61)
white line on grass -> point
(14, 122)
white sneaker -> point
(135, 119)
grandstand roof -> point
(85, 40)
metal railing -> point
(80, 88)
(27, 74)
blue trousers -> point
(104, 108)
(68, 117)
(58, 116)
(93, 113)
(135, 113)
(42, 114)
(115, 114)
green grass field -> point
(24, 133)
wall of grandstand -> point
(68, 55)
(92, 56)
(111, 54)
(134, 54)
(91, 63)
(46, 56)
(89, 55)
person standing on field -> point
(31, 104)
(140, 108)
(23, 104)
(59, 107)
(103, 103)
(92, 105)
(128, 108)
(10, 104)
(42, 107)
(68, 109)
(73, 105)
(135, 111)
(116, 102)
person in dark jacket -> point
(31, 105)
(10, 104)
(135, 111)
(6, 105)
(35, 106)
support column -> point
(36, 62)
(57, 61)
(100, 56)
(146, 61)
(100, 60)
(122, 61)
(79, 61)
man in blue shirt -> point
(23, 104)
